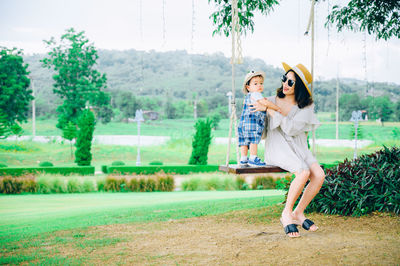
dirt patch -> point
(251, 237)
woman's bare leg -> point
(296, 187)
(317, 177)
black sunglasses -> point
(290, 82)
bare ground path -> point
(249, 237)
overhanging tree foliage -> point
(378, 17)
(222, 17)
(15, 94)
(77, 82)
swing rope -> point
(235, 59)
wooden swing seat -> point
(237, 169)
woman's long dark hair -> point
(301, 95)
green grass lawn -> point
(26, 216)
(184, 128)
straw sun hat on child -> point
(302, 72)
(249, 76)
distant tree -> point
(201, 142)
(222, 17)
(215, 119)
(380, 18)
(15, 94)
(170, 109)
(70, 132)
(5, 130)
(347, 104)
(381, 108)
(77, 81)
(127, 104)
(86, 123)
(397, 110)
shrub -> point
(150, 185)
(74, 186)
(18, 171)
(117, 163)
(156, 163)
(177, 169)
(9, 185)
(46, 164)
(263, 182)
(357, 187)
(104, 169)
(212, 183)
(165, 183)
(101, 184)
(86, 124)
(191, 184)
(43, 185)
(57, 185)
(3, 165)
(133, 185)
(241, 183)
(284, 182)
(201, 142)
(29, 185)
(115, 184)
(88, 186)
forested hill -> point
(177, 75)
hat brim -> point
(286, 67)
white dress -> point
(286, 141)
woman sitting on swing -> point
(286, 144)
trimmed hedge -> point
(361, 186)
(18, 171)
(176, 169)
(46, 164)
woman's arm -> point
(302, 121)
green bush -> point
(57, 185)
(46, 164)
(191, 184)
(83, 144)
(101, 184)
(88, 186)
(104, 169)
(133, 185)
(284, 182)
(165, 183)
(9, 185)
(201, 142)
(18, 171)
(241, 183)
(156, 163)
(263, 182)
(176, 169)
(43, 185)
(3, 165)
(29, 185)
(117, 163)
(74, 186)
(357, 187)
(212, 183)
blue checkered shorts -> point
(251, 125)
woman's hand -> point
(257, 106)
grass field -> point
(183, 128)
(26, 217)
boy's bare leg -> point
(253, 149)
(244, 150)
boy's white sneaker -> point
(256, 162)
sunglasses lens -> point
(284, 78)
(290, 83)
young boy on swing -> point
(251, 124)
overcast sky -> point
(116, 24)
